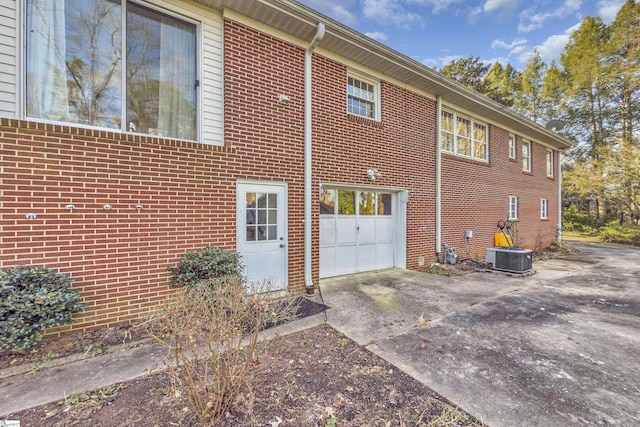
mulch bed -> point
(316, 377)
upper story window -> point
(512, 146)
(463, 136)
(363, 97)
(550, 163)
(526, 156)
(86, 66)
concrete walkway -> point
(559, 348)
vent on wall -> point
(513, 260)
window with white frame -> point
(463, 136)
(526, 156)
(512, 146)
(549, 163)
(362, 97)
(544, 209)
(512, 208)
(112, 64)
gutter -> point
(438, 178)
(308, 281)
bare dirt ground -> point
(316, 377)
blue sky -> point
(436, 31)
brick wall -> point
(475, 195)
(401, 146)
(118, 258)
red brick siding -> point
(118, 258)
(475, 195)
(401, 146)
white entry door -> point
(262, 238)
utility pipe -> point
(438, 177)
(559, 178)
(308, 281)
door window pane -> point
(367, 204)
(328, 201)
(384, 204)
(346, 202)
(261, 216)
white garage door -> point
(356, 231)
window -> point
(462, 136)
(369, 203)
(512, 208)
(86, 65)
(544, 209)
(362, 98)
(550, 163)
(526, 156)
(512, 146)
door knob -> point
(282, 245)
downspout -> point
(559, 199)
(308, 281)
(438, 178)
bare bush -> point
(211, 333)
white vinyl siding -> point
(212, 81)
(8, 59)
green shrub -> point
(32, 299)
(204, 264)
(574, 219)
(628, 235)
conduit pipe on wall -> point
(308, 281)
(559, 198)
(438, 177)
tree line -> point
(595, 91)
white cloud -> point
(437, 6)
(550, 49)
(501, 44)
(530, 20)
(377, 35)
(336, 9)
(389, 11)
(492, 5)
(608, 9)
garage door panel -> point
(346, 230)
(367, 230)
(345, 259)
(384, 229)
(367, 257)
(328, 261)
(384, 255)
(327, 230)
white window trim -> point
(473, 122)
(513, 147)
(376, 91)
(527, 157)
(549, 163)
(166, 8)
(544, 209)
(512, 202)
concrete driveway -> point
(559, 348)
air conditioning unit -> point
(513, 260)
